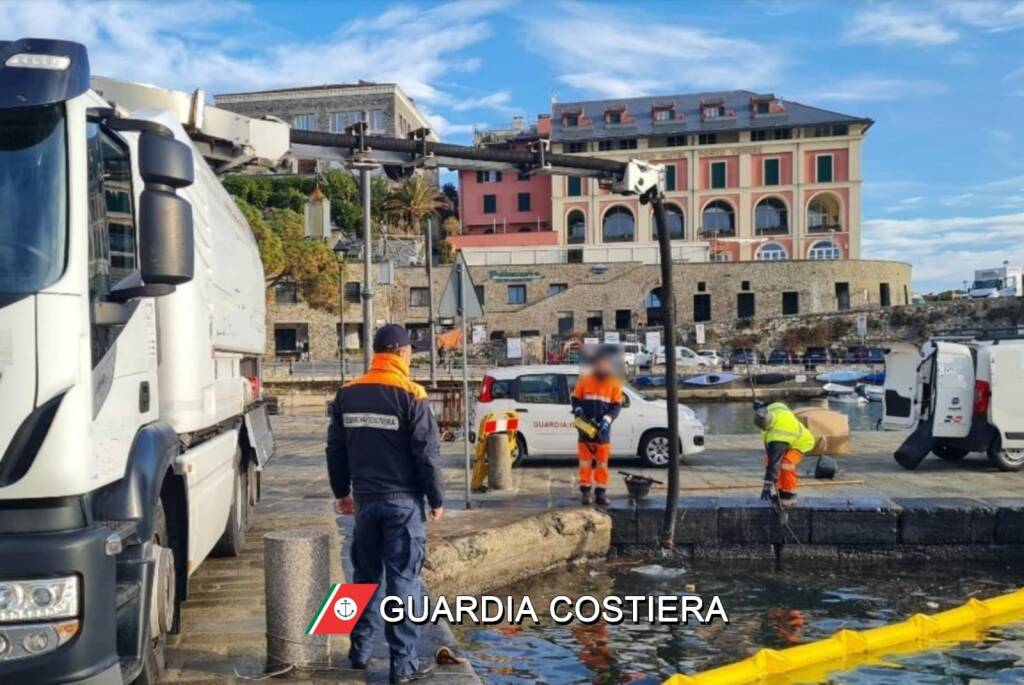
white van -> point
(540, 395)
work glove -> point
(578, 412)
(768, 491)
(605, 430)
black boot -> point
(585, 498)
(600, 498)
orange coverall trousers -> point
(788, 481)
(593, 457)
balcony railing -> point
(825, 227)
(713, 233)
(772, 230)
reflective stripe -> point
(786, 466)
(602, 398)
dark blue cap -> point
(390, 337)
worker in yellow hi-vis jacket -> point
(786, 440)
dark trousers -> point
(388, 549)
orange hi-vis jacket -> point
(598, 397)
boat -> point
(842, 393)
(771, 378)
(840, 377)
(876, 378)
(654, 381)
(711, 379)
(872, 393)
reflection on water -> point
(766, 609)
(738, 417)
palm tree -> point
(409, 203)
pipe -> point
(364, 180)
(668, 524)
(413, 147)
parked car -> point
(686, 359)
(817, 355)
(635, 354)
(781, 356)
(713, 356)
(744, 355)
(540, 395)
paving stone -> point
(749, 520)
(853, 521)
(1009, 527)
(945, 520)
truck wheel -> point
(1005, 459)
(163, 603)
(949, 453)
(654, 449)
(520, 454)
(233, 539)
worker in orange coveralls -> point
(597, 398)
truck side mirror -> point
(166, 253)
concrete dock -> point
(942, 508)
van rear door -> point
(1006, 407)
(902, 398)
(953, 400)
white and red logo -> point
(341, 608)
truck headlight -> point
(41, 599)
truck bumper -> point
(90, 656)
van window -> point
(539, 388)
(502, 389)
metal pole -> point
(364, 179)
(465, 379)
(668, 315)
(341, 316)
(430, 302)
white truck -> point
(131, 330)
(1004, 281)
(959, 396)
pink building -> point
(495, 202)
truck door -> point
(953, 394)
(1006, 406)
(902, 398)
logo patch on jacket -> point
(382, 421)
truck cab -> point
(1002, 282)
(131, 328)
(957, 396)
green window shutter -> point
(718, 175)
(670, 177)
(824, 168)
(490, 204)
(771, 172)
(575, 186)
(524, 202)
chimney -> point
(544, 125)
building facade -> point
(753, 176)
(497, 202)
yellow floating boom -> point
(850, 648)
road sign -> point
(451, 298)
(700, 333)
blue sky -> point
(944, 80)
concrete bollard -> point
(297, 573)
(499, 462)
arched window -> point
(721, 257)
(676, 223)
(718, 220)
(619, 226)
(824, 249)
(576, 228)
(652, 305)
(771, 252)
(823, 214)
(771, 217)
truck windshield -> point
(33, 198)
(987, 284)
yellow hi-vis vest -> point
(784, 426)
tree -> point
(446, 252)
(270, 244)
(409, 203)
(452, 194)
(451, 226)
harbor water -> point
(725, 418)
(766, 608)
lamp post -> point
(339, 251)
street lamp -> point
(339, 252)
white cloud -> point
(192, 44)
(891, 25)
(944, 252)
(990, 15)
(605, 51)
(869, 87)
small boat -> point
(711, 379)
(771, 378)
(872, 393)
(654, 381)
(876, 378)
(840, 377)
(842, 393)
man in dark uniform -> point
(383, 461)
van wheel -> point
(233, 539)
(949, 453)
(163, 603)
(520, 453)
(1005, 459)
(654, 449)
